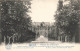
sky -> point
(43, 10)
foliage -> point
(14, 17)
(67, 18)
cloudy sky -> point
(43, 10)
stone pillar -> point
(59, 38)
(9, 39)
(13, 38)
(65, 38)
(73, 39)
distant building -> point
(41, 28)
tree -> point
(0, 25)
(67, 18)
(14, 17)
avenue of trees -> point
(15, 20)
(68, 17)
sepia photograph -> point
(50, 24)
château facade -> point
(41, 28)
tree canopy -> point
(15, 17)
(67, 18)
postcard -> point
(39, 25)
